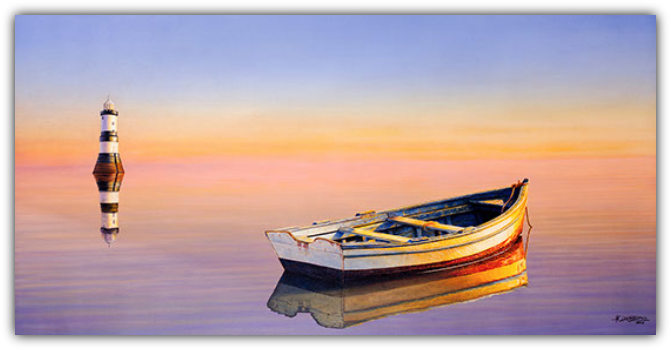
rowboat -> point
(418, 238)
(333, 305)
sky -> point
(346, 87)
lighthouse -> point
(108, 161)
(109, 186)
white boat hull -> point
(315, 253)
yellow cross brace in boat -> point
(427, 225)
(374, 235)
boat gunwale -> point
(512, 210)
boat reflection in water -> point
(337, 306)
(109, 186)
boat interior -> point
(428, 221)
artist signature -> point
(637, 319)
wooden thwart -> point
(427, 225)
(487, 206)
(347, 231)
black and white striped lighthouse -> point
(109, 186)
(109, 161)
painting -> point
(335, 175)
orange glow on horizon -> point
(521, 132)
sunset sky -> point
(346, 87)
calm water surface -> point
(191, 256)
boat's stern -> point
(321, 258)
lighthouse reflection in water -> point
(109, 186)
(335, 306)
